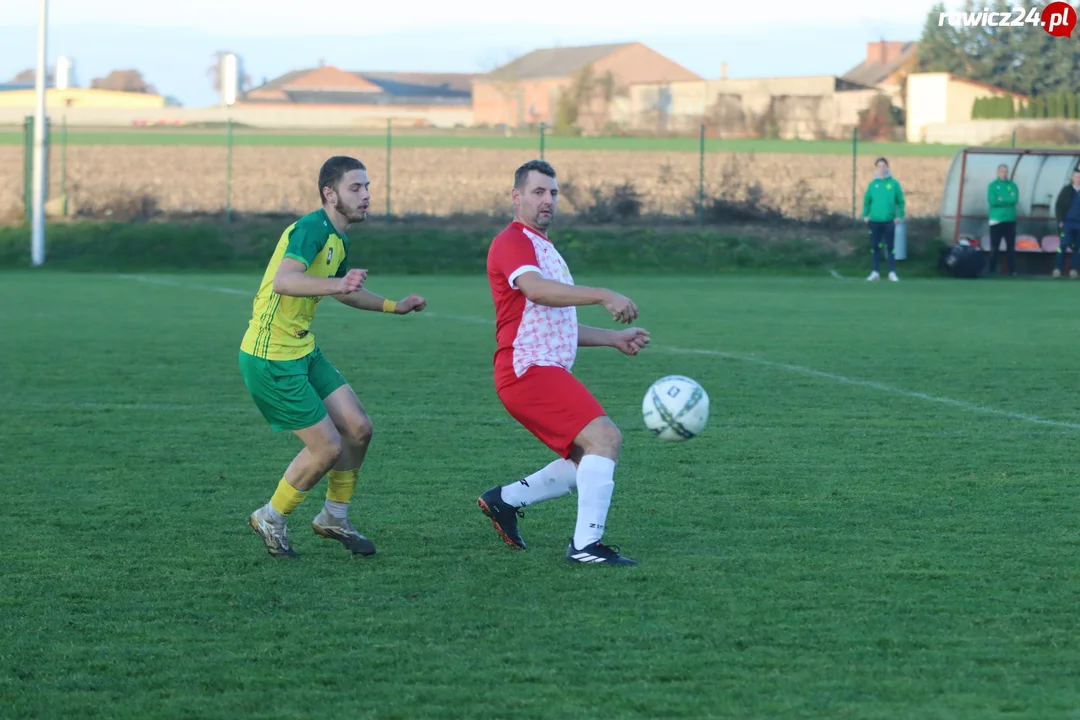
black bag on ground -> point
(963, 261)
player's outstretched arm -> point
(291, 279)
(367, 300)
(628, 341)
(551, 293)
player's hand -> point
(866, 219)
(353, 281)
(622, 308)
(630, 341)
(413, 303)
(896, 221)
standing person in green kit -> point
(883, 208)
(1001, 197)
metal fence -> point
(231, 170)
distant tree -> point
(592, 96)
(123, 81)
(30, 76)
(995, 54)
(586, 103)
(879, 119)
(940, 47)
(1021, 59)
(726, 115)
(566, 115)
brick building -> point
(526, 91)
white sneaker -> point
(893, 277)
(874, 276)
(275, 533)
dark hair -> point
(880, 159)
(521, 175)
(333, 170)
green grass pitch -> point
(879, 522)
(412, 139)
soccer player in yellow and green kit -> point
(293, 384)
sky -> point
(173, 42)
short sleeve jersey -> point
(280, 325)
(528, 334)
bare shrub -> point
(738, 199)
(598, 204)
(1048, 134)
(726, 116)
(121, 206)
(880, 119)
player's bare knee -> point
(601, 437)
(358, 431)
(611, 438)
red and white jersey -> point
(528, 334)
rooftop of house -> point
(553, 62)
(329, 79)
(985, 86)
(883, 58)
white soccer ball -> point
(676, 408)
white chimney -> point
(230, 78)
(723, 71)
(63, 73)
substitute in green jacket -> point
(883, 207)
(1001, 197)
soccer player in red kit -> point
(538, 335)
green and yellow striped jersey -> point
(280, 326)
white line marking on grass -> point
(881, 387)
(186, 286)
(797, 369)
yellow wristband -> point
(389, 306)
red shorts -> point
(551, 404)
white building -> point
(943, 98)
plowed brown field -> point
(447, 180)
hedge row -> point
(405, 249)
(1055, 105)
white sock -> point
(556, 480)
(595, 483)
(337, 510)
(275, 516)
